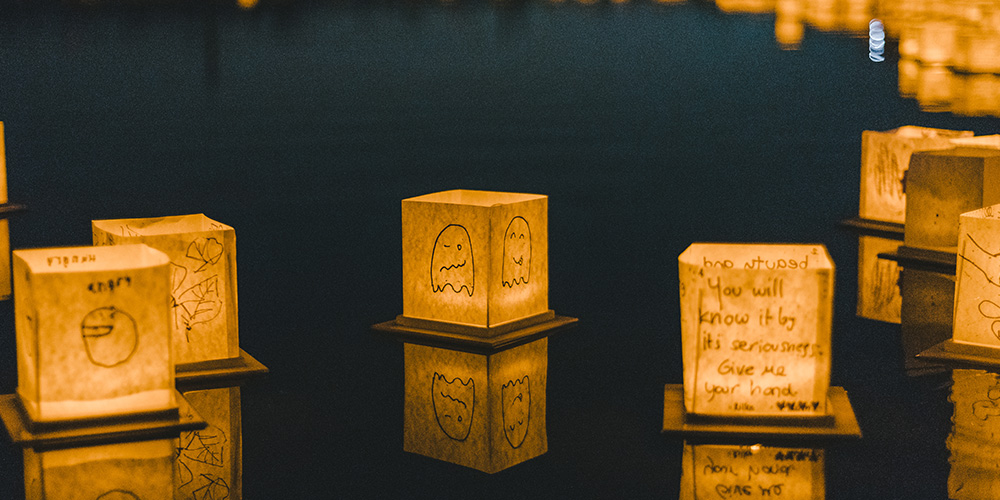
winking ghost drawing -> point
(451, 261)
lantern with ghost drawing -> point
(480, 410)
(93, 335)
(475, 262)
(884, 159)
(202, 252)
(755, 328)
(942, 185)
(121, 471)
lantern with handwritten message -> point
(209, 460)
(755, 327)
(93, 335)
(202, 256)
(122, 471)
(475, 262)
(485, 411)
(735, 471)
(942, 185)
(884, 159)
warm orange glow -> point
(209, 461)
(973, 442)
(247, 4)
(734, 471)
(122, 471)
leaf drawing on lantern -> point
(515, 410)
(109, 336)
(214, 488)
(177, 275)
(206, 446)
(199, 304)
(988, 264)
(207, 251)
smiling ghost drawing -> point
(515, 401)
(516, 266)
(454, 402)
(451, 261)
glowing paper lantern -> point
(885, 157)
(123, 471)
(202, 252)
(879, 297)
(485, 411)
(974, 441)
(732, 471)
(209, 461)
(942, 185)
(977, 274)
(93, 335)
(755, 328)
(977, 52)
(475, 262)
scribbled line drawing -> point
(515, 410)
(214, 488)
(886, 284)
(129, 232)
(454, 404)
(206, 251)
(986, 408)
(887, 176)
(206, 446)
(516, 267)
(109, 336)
(452, 264)
(199, 304)
(982, 260)
(118, 495)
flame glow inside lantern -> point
(209, 461)
(755, 471)
(476, 258)
(942, 185)
(485, 411)
(93, 335)
(122, 471)
(202, 253)
(885, 157)
(755, 327)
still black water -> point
(303, 124)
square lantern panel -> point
(974, 441)
(942, 185)
(93, 334)
(884, 159)
(485, 411)
(977, 275)
(475, 258)
(755, 329)
(879, 297)
(123, 471)
(723, 471)
(202, 253)
(209, 461)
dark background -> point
(303, 124)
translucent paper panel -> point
(202, 252)
(977, 274)
(974, 442)
(124, 471)
(712, 472)
(93, 335)
(475, 257)
(755, 327)
(209, 461)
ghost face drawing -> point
(516, 265)
(515, 400)
(451, 261)
(454, 401)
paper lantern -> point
(752, 471)
(755, 328)
(977, 52)
(974, 441)
(977, 272)
(122, 471)
(879, 297)
(475, 261)
(485, 411)
(202, 253)
(885, 157)
(209, 461)
(942, 185)
(93, 335)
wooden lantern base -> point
(468, 342)
(871, 227)
(841, 423)
(939, 261)
(960, 353)
(218, 372)
(26, 432)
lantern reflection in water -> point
(209, 461)
(974, 441)
(879, 297)
(123, 471)
(713, 471)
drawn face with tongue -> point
(516, 253)
(452, 267)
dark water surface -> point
(303, 125)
